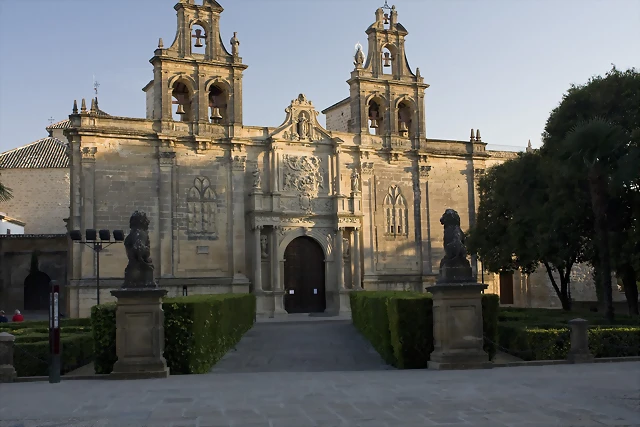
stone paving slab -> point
(558, 395)
(318, 345)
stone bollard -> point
(7, 371)
(579, 352)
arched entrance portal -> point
(36, 291)
(304, 277)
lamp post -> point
(92, 241)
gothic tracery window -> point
(395, 213)
(202, 209)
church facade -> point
(299, 214)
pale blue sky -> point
(497, 65)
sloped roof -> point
(64, 124)
(44, 153)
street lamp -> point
(92, 241)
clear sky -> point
(497, 65)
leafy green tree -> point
(525, 220)
(5, 193)
(608, 172)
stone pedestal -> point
(579, 352)
(139, 334)
(457, 327)
(7, 371)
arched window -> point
(198, 39)
(218, 105)
(181, 100)
(395, 211)
(376, 117)
(405, 122)
(388, 58)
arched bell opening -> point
(405, 120)
(388, 59)
(198, 39)
(181, 103)
(376, 117)
(218, 102)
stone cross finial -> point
(160, 43)
(478, 137)
(473, 135)
(75, 106)
(83, 107)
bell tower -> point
(196, 79)
(386, 97)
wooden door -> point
(506, 287)
(304, 277)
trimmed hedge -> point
(32, 352)
(399, 325)
(549, 343)
(198, 330)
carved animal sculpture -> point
(139, 271)
(455, 253)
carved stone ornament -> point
(367, 168)
(345, 247)
(166, 157)
(202, 210)
(257, 179)
(304, 174)
(301, 123)
(88, 153)
(264, 246)
(139, 270)
(239, 163)
(424, 171)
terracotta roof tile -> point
(45, 153)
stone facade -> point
(20, 286)
(225, 200)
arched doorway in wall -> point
(36, 291)
(304, 277)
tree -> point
(614, 99)
(591, 150)
(5, 193)
(525, 220)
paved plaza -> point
(275, 378)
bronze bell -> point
(403, 127)
(198, 36)
(386, 19)
(180, 110)
(215, 114)
(374, 124)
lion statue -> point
(454, 266)
(139, 271)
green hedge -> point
(547, 317)
(43, 324)
(198, 330)
(399, 325)
(31, 355)
(549, 343)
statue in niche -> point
(303, 126)
(257, 179)
(263, 246)
(346, 246)
(355, 181)
(455, 266)
(235, 43)
(139, 270)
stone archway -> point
(36, 291)
(304, 276)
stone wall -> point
(15, 263)
(338, 118)
(40, 198)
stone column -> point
(238, 220)
(7, 371)
(355, 255)
(273, 175)
(338, 189)
(87, 180)
(579, 352)
(339, 258)
(165, 197)
(257, 259)
(139, 334)
(368, 209)
(276, 284)
(424, 224)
